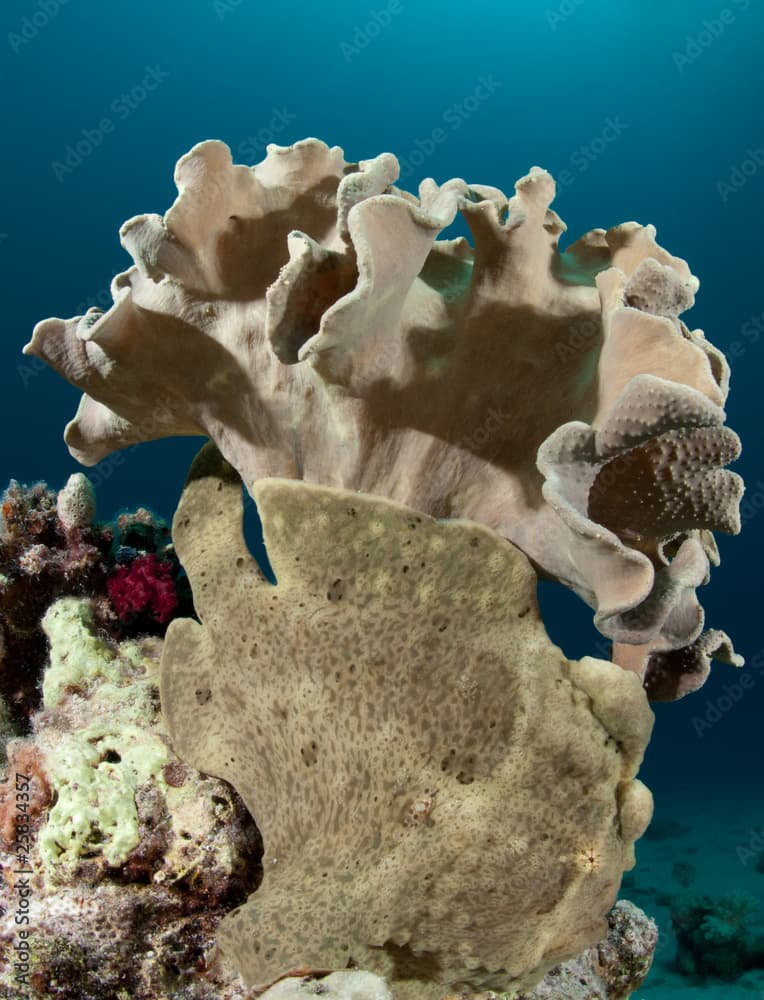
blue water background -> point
(650, 110)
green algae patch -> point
(78, 658)
(109, 750)
(96, 773)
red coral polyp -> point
(143, 587)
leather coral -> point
(304, 314)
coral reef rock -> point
(51, 547)
(305, 316)
(43, 555)
(131, 856)
(444, 799)
(337, 986)
(715, 935)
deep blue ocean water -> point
(644, 109)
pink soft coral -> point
(144, 586)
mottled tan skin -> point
(444, 799)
